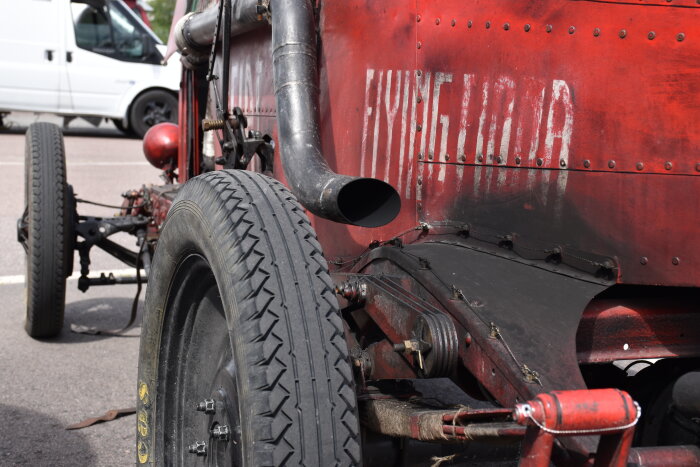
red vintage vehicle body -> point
(546, 156)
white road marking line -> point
(19, 278)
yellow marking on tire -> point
(142, 452)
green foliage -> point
(161, 17)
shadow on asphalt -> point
(83, 131)
(100, 313)
(31, 438)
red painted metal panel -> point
(566, 123)
(562, 122)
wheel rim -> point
(156, 112)
(199, 384)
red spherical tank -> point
(160, 145)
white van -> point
(86, 58)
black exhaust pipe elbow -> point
(365, 202)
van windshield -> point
(110, 28)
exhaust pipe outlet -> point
(366, 202)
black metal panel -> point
(535, 311)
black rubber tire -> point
(150, 108)
(49, 227)
(239, 263)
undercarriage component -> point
(95, 232)
(408, 419)
(607, 412)
(423, 334)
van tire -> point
(150, 108)
(240, 309)
(49, 229)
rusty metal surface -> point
(637, 329)
(500, 308)
(607, 412)
(556, 151)
(572, 162)
(663, 456)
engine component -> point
(424, 334)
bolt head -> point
(488, 24)
(469, 23)
(453, 23)
(517, 160)
(676, 260)
(548, 28)
(527, 28)
(643, 260)
(539, 162)
(587, 163)
(419, 45)
(468, 339)
(419, 127)
(640, 166)
(430, 156)
(651, 35)
(611, 164)
(208, 406)
(418, 18)
(463, 158)
(668, 165)
(680, 37)
(562, 163)
(480, 158)
(499, 159)
(697, 167)
(437, 20)
(572, 29)
(221, 432)
(622, 33)
(596, 32)
(506, 26)
(447, 157)
(199, 448)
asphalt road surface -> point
(47, 385)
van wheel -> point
(243, 360)
(150, 108)
(46, 229)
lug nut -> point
(199, 448)
(221, 432)
(207, 406)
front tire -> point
(241, 319)
(48, 223)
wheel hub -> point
(223, 437)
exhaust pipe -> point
(194, 32)
(365, 202)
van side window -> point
(92, 31)
(103, 28)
